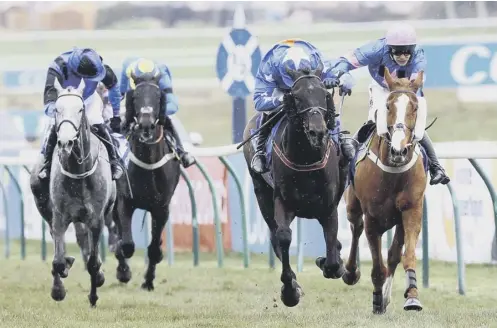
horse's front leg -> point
(290, 291)
(82, 240)
(126, 246)
(394, 257)
(94, 263)
(354, 215)
(332, 264)
(379, 271)
(155, 256)
(411, 219)
(60, 264)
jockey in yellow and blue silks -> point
(136, 67)
(398, 51)
(272, 82)
(69, 68)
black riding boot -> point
(258, 163)
(437, 172)
(114, 158)
(186, 158)
(50, 143)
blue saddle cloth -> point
(272, 135)
(363, 152)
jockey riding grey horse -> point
(81, 189)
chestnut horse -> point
(388, 188)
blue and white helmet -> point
(297, 58)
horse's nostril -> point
(404, 152)
(70, 143)
(312, 133)
(152, 126)
(59, 144)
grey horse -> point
(81, 190)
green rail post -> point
(300, 246)
(195, 227)
(459, 249)
(217, 219)
(145, 235)
(489, 185)
(272, 256)
(6, 213)
(170, 242)
(426, 256)
(18, 187)
(246, 253)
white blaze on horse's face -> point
(69, 112)
(399, 135)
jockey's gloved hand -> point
(115, 124)
(288, 101)
(347, 82)
(331, 82)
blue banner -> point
(457, 65)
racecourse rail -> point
(447, 151)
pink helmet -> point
(401, 34)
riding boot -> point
(437, 172)
(186, 158)
(48, 150)
(258, 163)
(116, 164)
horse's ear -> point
(418, 82)
(319, 70)
(81, 86)
(293, 73)
(388, 78)
(57, 86)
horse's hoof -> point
(69, 262)
(290, 296)
(320, 262)
(148, 286)
(351, 278)
(128, 250)
(334, 271)
(58, 293)
(123, 275)
(93, 300)
(413, 304)
(379, 309)
(100, 279)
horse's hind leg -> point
(354, 215)
(290, 291)
(379, 271)
(411, 220)
(123, 271)
(332, 265)
(264, 195)
(394, 257)
(125, 245)
(94, 262)
(60, 264)
(159, 219)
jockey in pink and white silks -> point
(272, 82)
(398, 51)
(69, 68)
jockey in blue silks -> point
(272, 82)
(69, 68)
(133, 68)
(398, 51)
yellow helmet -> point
(141, 68)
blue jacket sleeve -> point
(362, 56)
(166, 85)
(265, 85)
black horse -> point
(308, 176)
(153, 170)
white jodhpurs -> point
(94, 109)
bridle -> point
(135, 123)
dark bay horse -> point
(388, 188)
(153, 171)
(81, 190)
(308, 178)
